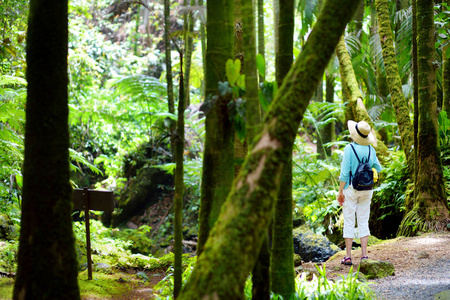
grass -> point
(102, 286)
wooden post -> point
(85, 199)
(88, 232)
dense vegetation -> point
(120, 124)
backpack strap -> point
(357, 154)
(357, 157)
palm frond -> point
(139, 87)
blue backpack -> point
(362, 180)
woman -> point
(356, 202)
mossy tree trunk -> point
(261, 274)
(231, 250)
(203, 43)
(179, 186)
(446, 74)
(430, 210)
(356, 104)
(169, 77)
(409, 201)
(282, 259)
(329, 130)
(261, 43)
(395, 84)
(218, 157)
(47, 261)
(189, 30)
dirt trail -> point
(422, 266)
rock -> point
(423, 255)
(376, 269)
(142, 192)
(442, 295)
(8, 230)
(311, 246)
(102, 266)
(297, 260)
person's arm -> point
(341, 197)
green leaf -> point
(261, 64)
(233, 70)
(241, 81)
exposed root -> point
(413, 223)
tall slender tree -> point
(47, 261)
(168, 61)
(446, 73)
(189, 31)
(218, 157)
(356, 104)
(283, 274)
(261, 275)
(395, 84)
(179, 186)
(430, 210)
(230, 251)
(261, 43)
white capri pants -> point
(356, 202)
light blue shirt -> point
(350, 162)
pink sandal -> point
(346, 261)
(364, 257)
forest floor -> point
(422, 266)
(422, 270)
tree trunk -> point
(409, 202)
(430, 211)
(283, 274)
(203, 43)
(261, 270)
(446, 75)
(261, 43)
(169, 79)
(231, 250)
(189, 27)
(329, 131)
(179, 187)
(395, 84)
(218, 158)
(47, 260)
(356, 104)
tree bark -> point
(261, 43)
(283, 274)
(169, 78)
(218, 158)
(179, 187)
(47, 260)
(430, 211)
(356, 104)
(446, 75)
(395, 84)
(261, 274)
(189, 27)
(231, 250)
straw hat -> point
(360, 132)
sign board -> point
(86, 199)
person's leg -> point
(362, 215)
(349, 210)
(348, 247)
(364, 241)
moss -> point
(376, 269)
(356, 105)
(395, 84)
(231, 249)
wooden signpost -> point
(86, 199)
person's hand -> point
(341, 198)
